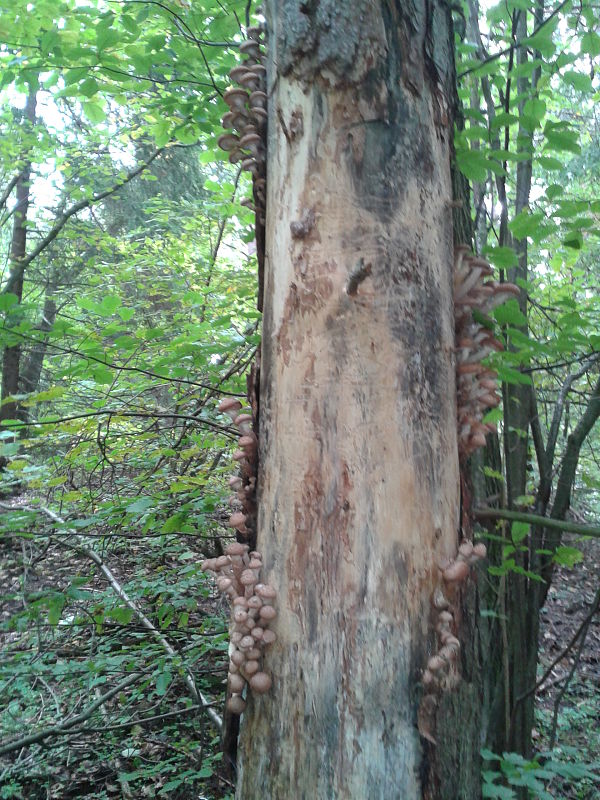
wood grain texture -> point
(358, 482)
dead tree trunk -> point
(358, 481)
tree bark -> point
(11, 357)
(358, 480)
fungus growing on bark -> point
(475, 384)
(237, 574)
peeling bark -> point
(358, 480)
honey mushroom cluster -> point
(247, 117)
(442, 667)
(476, 385)
(243, 502)
(252, 609)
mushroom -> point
(236, 704)
(231, 406)
(456, 572)
(260, 683)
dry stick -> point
(536, 519)
(197, 695)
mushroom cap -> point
(260, 683)
(269, 637)
(235, 73)
(254, 602)
(236, 549)
(248, 578)
(235, 482)
(239, 615)
(253, 654)
(242, 418)
(258, 633)
(223, 583)
(246, 642)
(236, 99)
(267, 613)
(480, 550)
(465, 549)
(228, 141)
(456, 572)
(250, 667)
(250, 47)
(238, 658)
(436, 663)
(266, 591)
(236, 704)
(237, 520)
(229, 403)
(258, 99)
(236, 683)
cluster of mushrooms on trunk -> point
(238, 574)
(476, 389)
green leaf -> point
(56, 604)
(93, 111)
(140, 505)
(590, 43)
(121, 614)
(110, 303)
(567, 556)
(573, 239)
(578, 80)
(502, 257)
(163, 681)
(519, 531)
(550, 163)
(525, 223)
(8, 300)
(562, 140)
(473, 164)
(89, 87)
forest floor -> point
(577, 706)
(39, 653)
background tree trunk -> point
(358, 482)
(11, 357)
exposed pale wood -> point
(358, 480)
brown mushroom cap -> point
(267, 613)
(248, 578)
(260, 683)
(238, 658)
(269, 637)
(236, 704)
(266, 591)
(250, 667)
(456, 572)
(236, 683)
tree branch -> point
(22, 265)
(516, 45)
(536, 519)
